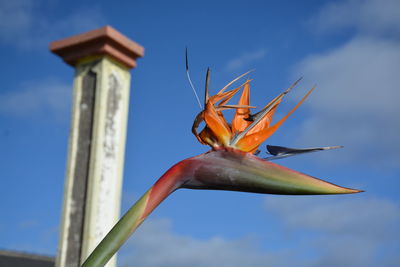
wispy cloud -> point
(155, 245)
(45, 97)
(34, 237)
(379, 17)
(23, 25)
(340, 232)
(28, 224)
(356, 101)
(345, 232)
(16, 18)
(245, 59)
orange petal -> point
(233, 81)
(239, 123)
(224, 97)
(206, 137)
(253, 141)
(259, 117)
(217, 124)
(199, 119)
(267, 119)
(265, 122)
(225, 107)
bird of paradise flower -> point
(231, 164)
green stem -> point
(167, 184)
(118, 234)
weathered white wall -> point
(107, 148)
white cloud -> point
(49, 97)
(16, 17)
(28, 224)
(34, 237)
(380, 17)
(338, 216)
(339, 232)
(23, 24)
(155, 245)
(245, 59)
(356, 101)
(346, 232)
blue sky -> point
(349, 48)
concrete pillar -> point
(102, 59)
